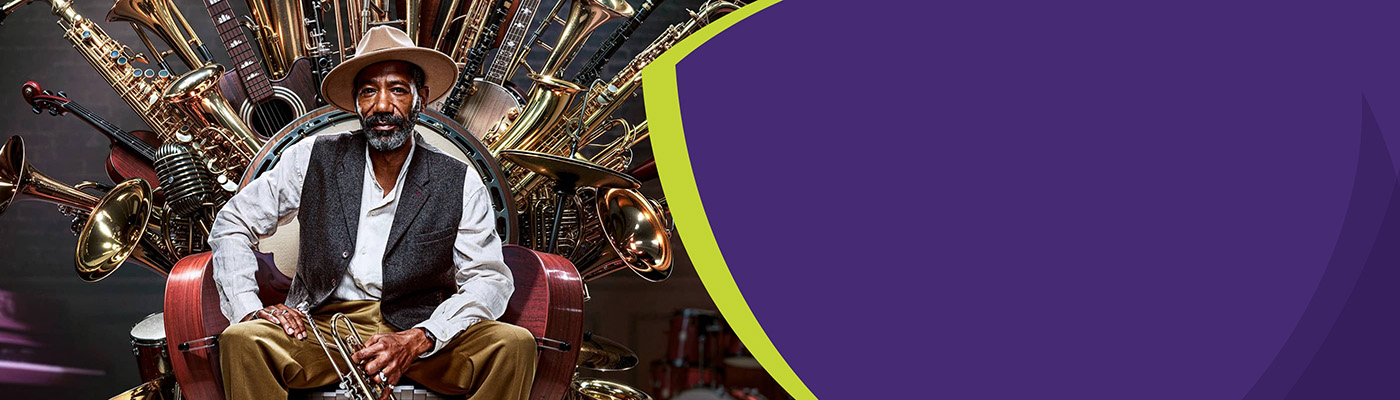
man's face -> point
(388, 103)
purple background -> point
(1096, 200)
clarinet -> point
(476, 57)
(590, 71)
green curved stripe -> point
(673, 165)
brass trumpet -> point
(118, 225)
(353, 379)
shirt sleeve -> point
(484, 283)
(250, 215)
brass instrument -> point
(598, 389)
(117, 226)
(282, 33)
(354, 20)
(166, 22)
(353, 379)
(551, 93)
(635, 232)
(146, 91)
(472, 22)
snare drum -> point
(148, 345)
(695, 338)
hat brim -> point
(439, 74)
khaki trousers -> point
(490, 360)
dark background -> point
(88, 324)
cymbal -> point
(561, 168)
(601, 354)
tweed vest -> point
(418, 269)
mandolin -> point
(133, 153)
(266, 104)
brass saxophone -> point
(188, 109)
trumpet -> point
(117, 226)
(353, 379)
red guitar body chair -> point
(548, 301)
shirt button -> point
(344, 254)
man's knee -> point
(244, 335)
(510, 339)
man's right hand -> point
(290, 319)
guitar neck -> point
(590, 71)
(251, 72)
(513, 42)
(475, 58)
(124, 138)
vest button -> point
(344, 254)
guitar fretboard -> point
(511, 42)
(252, 72)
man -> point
(394, 234)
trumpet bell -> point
(637, 233)
(19, 181)
(113, 230)
(13, 171)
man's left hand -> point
(391, 353)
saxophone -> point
(188, 109)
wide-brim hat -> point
(383, 43)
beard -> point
(392, 139)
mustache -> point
(385, 119)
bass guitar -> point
(266, 104)
(133, 153)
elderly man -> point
(394, 234)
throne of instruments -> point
(548, 298)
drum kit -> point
(705, 360)
(152, 361)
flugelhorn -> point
(117, 227)
(353, 379)
(161, 18)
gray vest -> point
(418, 269)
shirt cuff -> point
(444, 332)
(242, 304)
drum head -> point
(151, 329)
(438, 130)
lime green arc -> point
(673, 165)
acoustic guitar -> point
(548, 301)
(264, 103)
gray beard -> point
(389, 142)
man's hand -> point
(391, 353)
(290, 319)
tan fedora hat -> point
(383, 43)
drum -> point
(735, 353)
(695, 338)
(703, 394)
(668, 380)
(148, 345)
(437, 129)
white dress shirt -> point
(484, 283)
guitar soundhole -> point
(269, 117)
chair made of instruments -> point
(548, 301)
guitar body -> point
(123, 164)
(548, 301)
(488, 106)
(192, 314)
(292, 96)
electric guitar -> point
(265, 104)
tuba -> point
(117, 226)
